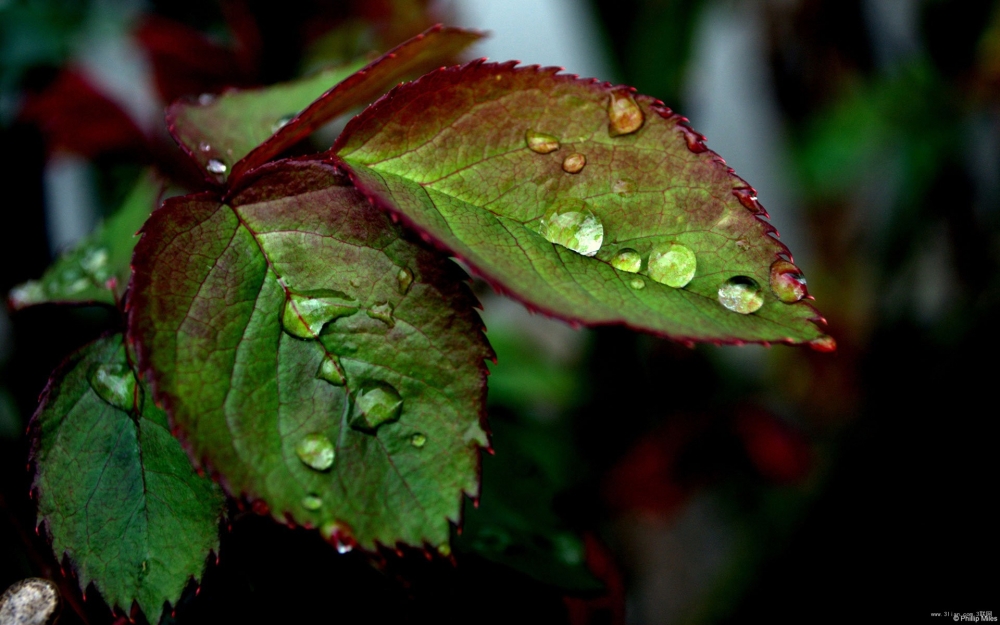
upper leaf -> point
(315, 360)
(582, 200)
(249, 128)
(97, 269)
(115, 488)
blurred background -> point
(635, 480)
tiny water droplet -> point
(281, 123)
(382, 312)
(571, 224)
(672, 264)
(624, 114)
(624, 187)
(304, 316)
(205, 146)
(216, 166)
(405, 278)
(787, 282)
(743, 245)
(312, 502)
(316, 451)
(115, 384)
(418, 440)
(637, 283)
(741, 294)
(627, 260)
(340, 535)
(331, 371)
(574, 163)
(374, 406)
(540, 142)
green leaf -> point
(326, 368)
(557, 189)
(97, 269)
(249, 128)
(115, 489)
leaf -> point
(97, 269)
(249, 316)
(239, 121)
(484, 158)
(115, 488)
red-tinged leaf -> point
(75, 116)
(282, 328)
(116, 492)
(562, 192)
(430, 49)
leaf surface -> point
(321, 365)
(115, 489)
(509, 168)
(97, 269)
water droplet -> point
(624, 114)
(115, 384)
(743, 245)
(375, 405)
(405, 278)
(340, 535)
(627, 260)
(787, 282)
(281, 123)
(741, 294)
(32, 601)
(672, 264)
(418, 440)
(540, 142)
(637, 283)
(316, 451)
(331, 371)
(95, 264)
(382, 312)
(624, 187)
(216, 166)
(312, 502)
(570, 223)
(574, 163)
(205, 99)
(205, 146)
(305, 315)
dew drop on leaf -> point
(571, 224)
(216, 166)
(624, 114)
(374, 406)
(672, 264)
(787, 282)
(115, 384)
(312, 502)
(33, 601)
(574, 163)
(418, 440)
(330, 370)
(382, 312)
(540, 142)
(623, 187)
(637, 283)
(281, 123)
(405, 278)
(315, 451)
(340, 535)
(741, 294)
(304, 316)
(628, 260)
(205, 146)
(95, 264)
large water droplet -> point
(375, 405)
(637, 283)
(115, 384)
(574, 163)
(624, 114)
(540, 142)
(741, 294)
(382, 312)
(331, 371)
(312, 502)
(281, 123)
(570, 223)
(628, 260)
(418, 440)
(32, 601)
(405, 278)
(216, 166)
(305, 315)
(672, 264)
(316, 451)
(787, 282)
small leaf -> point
(265, 325)
(422, 53)
(97, 269)
(549, 186)
(115, 488)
